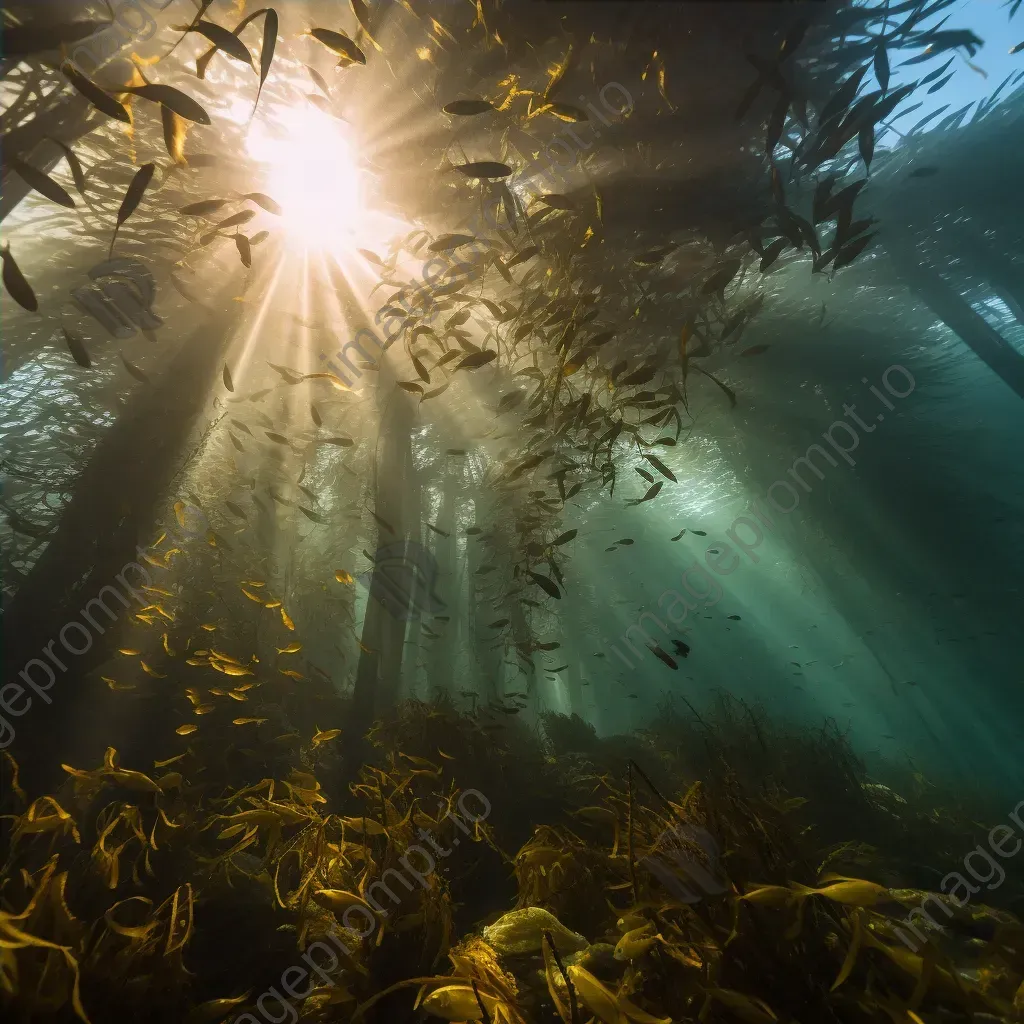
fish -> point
(14, 282)
(225, 41)
(468, 108)
(101, 100)
(663, 656)
(484, 169)
(202, 208)
(324, 736)
(132, 197)
(40, 181)
(182, 104)
(264, 201)
(244, 250)
(340, 44)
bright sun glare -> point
(313, 174)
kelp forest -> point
(511, 513)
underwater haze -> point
(511, 512)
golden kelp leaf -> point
(344, 577)
(747, 1008)
(322, 736)
(364, 826)
(522, 931)
(339, 900)
(214, 1010)
(557, 73)
(594, 996)
(208, 626)
(850, 960)
(181, 918)
(186, 730)
(169, 760)
(175, 129)
(360, 10)
(137, 931)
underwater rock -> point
(522, 931)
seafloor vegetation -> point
(713, 868)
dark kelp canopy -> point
(357, 357)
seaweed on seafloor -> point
(639, 891)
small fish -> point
(186, 730)
(735, 618)
(77, 348)
(340, 44)
(94, 94)
(663, 656)
(323, 736)
(682, 649)
(14, 281)
(484, 169)
(244, 248)
(41, 182)
(132, 197)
